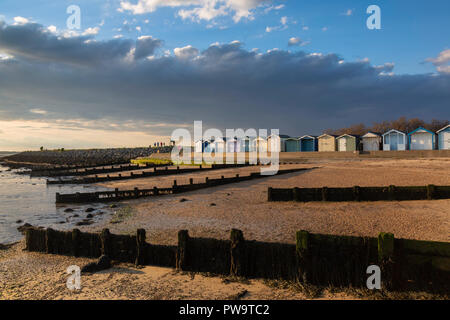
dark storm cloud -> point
(33, 41)
(226, 86)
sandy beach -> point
(213, 212)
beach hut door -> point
(343, 144)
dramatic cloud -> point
(198, 9)
(442, 61)
(33, 41)
(186, 52)
(224, 85)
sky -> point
(136, 70)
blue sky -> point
(137, 69)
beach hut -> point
(201, 146)
(327, 142)
(220, 144)
(233, 145)
(280, 143)
(444, 138)
(292, 144)
(421, 139)
(308, 143)
(394, 140)
(371, 141)
(347, 142)
(259, 144)
(244, 144)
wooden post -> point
(140, 245)
(174, 183)
(28, 239)
(191, 181)
(116, 192)
(238, 259)
(182, 250)
(357, 193)
(303, 256)
(155, 191)
(136, 192)
(49, 238)
(386, 259)
(76, 234)
(206, 180)
(297, 194)
(324, 193)
(269, 194)
(105, 238)
(391, 190)
(431, 189)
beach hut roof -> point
(421, 129)
(347, 135)
(368, 134)
(326, 134)
(444, 128)
(393, 130)
(308, 136)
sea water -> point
(30, 200)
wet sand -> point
(213, 212)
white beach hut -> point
(371, 141)
(394, 140)
(421, 139)
(444, 138)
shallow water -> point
(32, 201)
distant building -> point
(292, 144)
(233, 145)
(201, 146)
(394, 140)
(259, 144)
(347, 142)
(279, 143)
(444, 138)
(421, 139)
(327, 142)
(308, 143)
(371, 141)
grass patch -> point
(144, 161)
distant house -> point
(444, 138)
(347, 142)
(201, 146)
(394, 140)
(308, 143)
(233, 145)
(292, 144)
(245, 144)
(220, 144)
(327, 142)
(279, 143)
(259, 144)
(371, 141)
(421, 139)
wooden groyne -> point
(91, 170)
(116, 195)
(317, 259)
(356, 193)
(145, 174)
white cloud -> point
(270, 8)
(295, 41)
(305, 28)
(348, 13)
(52, 29)
(38, 111)
(91, 31)
(197, 9)
(186, 52)
(138, 28)
(325, 29)
(20, 20)
(442, 61)
(118, 36)
(283, 20)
